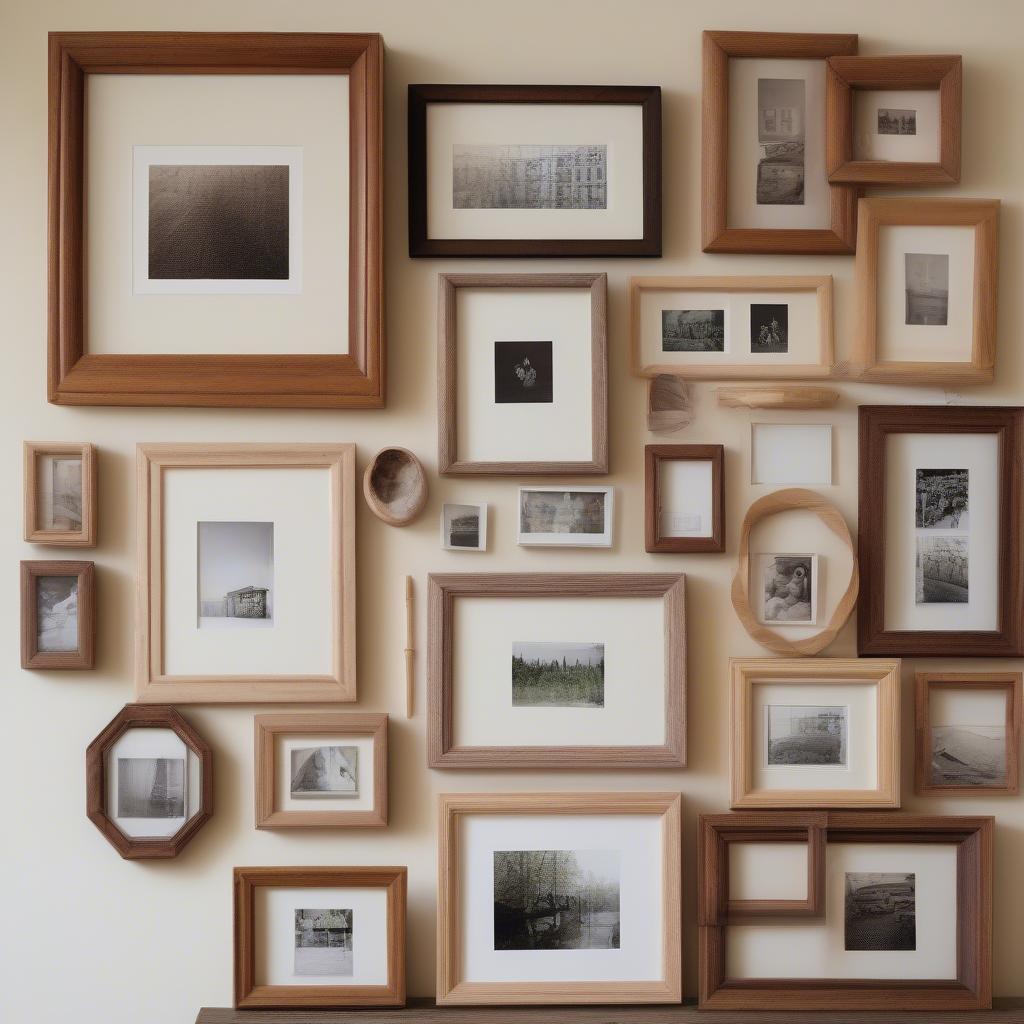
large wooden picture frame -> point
(36, 531)
(655, 456)
(77, 376)
(84, 656)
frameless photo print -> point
(769, 327)
(968, 755)
(942, 570)
(463, 527)
(789, 589)
(523, 372)
(57, 614)
(942, 499)
(236, 575)
(331, 771)
(807, 734)
(927, 288)
(693, 330)
(563, 512)
(780, 134)
(151, 787)
(324, 942)
(557, 675)
(881, 911)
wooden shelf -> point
(777, 396)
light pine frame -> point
(449, 463)
(745, 673)
(453, 991)
(84, 657)
(35, 532)
(267, 729)
(741, 370)
(980, 214)
(152, 685)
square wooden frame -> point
(745, 673)
(75, 376)
(453, 991)
(844, 75)
(972, 988)
(152, 685)
(35, 532)
(924, 683)
(717, 235)
(249, 995)
(444, 590)
(448, 459)
(820, 284)
(876, 423)
(85, 656)
(266, 730)
(980, 214)
(654, 456)
(647, 97)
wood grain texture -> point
(648, 98)
(145, 716)
(399, 499)
(442, 592)
(354, 379)
(654, 456)
(776, 396)
(876, 424)
(449, 461)
(35, 531)
(85, 656)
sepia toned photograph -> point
(968, 755)
(806, 735)
(693, 330)
(57, 614)
(236, 575)
(896, 122)
(942, 564)
(942, 499)
(556, 899)
(331, 771)
(523, 372)
(557, 675)
(789, 588)
(65, 507)
(569, 512)
(780, 134)
(881, 911)
(323, 942)
(463, 527)
(523, 177)
(151, 787)
(216, 222)
(927, 288)
(769, 327)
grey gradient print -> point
(151, 787)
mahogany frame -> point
(654, 456)
(85, 656)
(75, 376)
(35, 531)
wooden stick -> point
(409, 649)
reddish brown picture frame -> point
(654, 456)
(354, 379)
(85, 656)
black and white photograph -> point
(896, 122)
(530, 177)
(151, 787)
(942, 564)
(323, 942)
(780, 133)
(464, 527)
(65, 494)
(807, 734)
(769, 327)
(236, 575)
(563, 512)
(881, 911)
(968, 755)
(556, 899)
(942, 499)
(557, 675)
(331, 771)
(57, 614)
(927, 288)
(693, 330)
(523, 372)
(788, 589)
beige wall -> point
(89, 936)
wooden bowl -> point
(395, 486)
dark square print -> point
(523, 372)
(769, 327)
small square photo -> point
(151, 787)
(324, 942)
(463, 527)
(693, 330)
(523, 372)
(331, 771)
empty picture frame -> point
(289, 302)
(319, 937)
(893, 120)
(763, 176)
(791, 453)
(246, 573)
(927, 279)
(967, 728)
(321, 770)
(522, 374)
(58, 615)
(534, 170)
(684, 498)
(724, 328)
(624, 848)
(940, 531)
(538, 670)
(566, 517)
(60, 494)
(814, 732)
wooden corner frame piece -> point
(654, 456)
(35, 531)
(85, 656)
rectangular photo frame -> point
(53, 484)
(58, 617)
(566, 517)
(700, 471)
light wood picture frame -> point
(77, 607)
(747, 673)
(453, 990)
(36, 529)
(152, 683)
(655, 457)
(251, 994)
(269, 730)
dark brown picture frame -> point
(145, 716)
(75, 376)
(972, 988)
(717, 235)
(876, 423)
(647, 97)
(654, 456)
(82, 658)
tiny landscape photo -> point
(57, 613)
(942, 499)
(66, 494)
(150, 787)
(580, 512)
(881, 911)
(968, 755)
(567, 675)
(523, 372)
(462, 526)
(942, 570)
(780, 134)
(927, 288)
(325, 771)
(323, 942)
(896, 122)
(693, 330)
(236, 575)
(806, 734)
